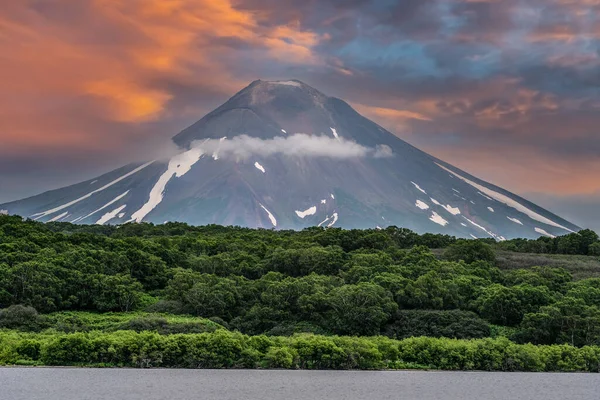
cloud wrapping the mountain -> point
(244, 147)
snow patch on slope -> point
(452, 210)
(508, 201)
(259, 167)
(422, 205)
(491, 209)
(435, 217)
(516, 221)
(335, 218)
(543, 232)
(487, 197)
(449, 208)
(110, 215)
(305, 213)
(271, 217)
(335, 133)
(215, 154)
(325, 220)
(418, 187)
(179, 165)
(492, 234)
(52, 211)
(61, 216)
(104, 206)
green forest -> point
(175, 295)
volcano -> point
(281, 154)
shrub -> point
(21, 318)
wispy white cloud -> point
(297, 145)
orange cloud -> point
(391, 113)
(112, 56)
(130, 103)
(535, 172)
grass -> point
(581, 267)
(77, 321)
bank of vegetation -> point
(197, 297)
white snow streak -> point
(305, 213)
(335, 133)
(463, 224)
(455, 190)
(271, 217)
(92, 182)
(487, 197)
(418, 187)
(492, 234)
(543, 232)
(333, 197)
(110, 215)
(491, 209)
(325, 220)
(516, 221)
(179, 165)
(449, 208)
(335, 218)
(61, 216)
(52, 211)
(259, 167)
(121, 215)
(104, 206)
(473, 236)
(283, 130)
(324, 201)
(422, 205)
(452, 210)
(215, 154)
(508, 201)
(435, 217)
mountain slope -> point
(281, 154)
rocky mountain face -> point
(280, 154)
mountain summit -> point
(281, 154)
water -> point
(163, 384)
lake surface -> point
(163, 384)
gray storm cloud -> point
(243, 147)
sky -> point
(508, 90)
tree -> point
(594, 249)
(500, 305)
(470, 251)
(360, 309)
(116, 293)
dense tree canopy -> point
(327, 281)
